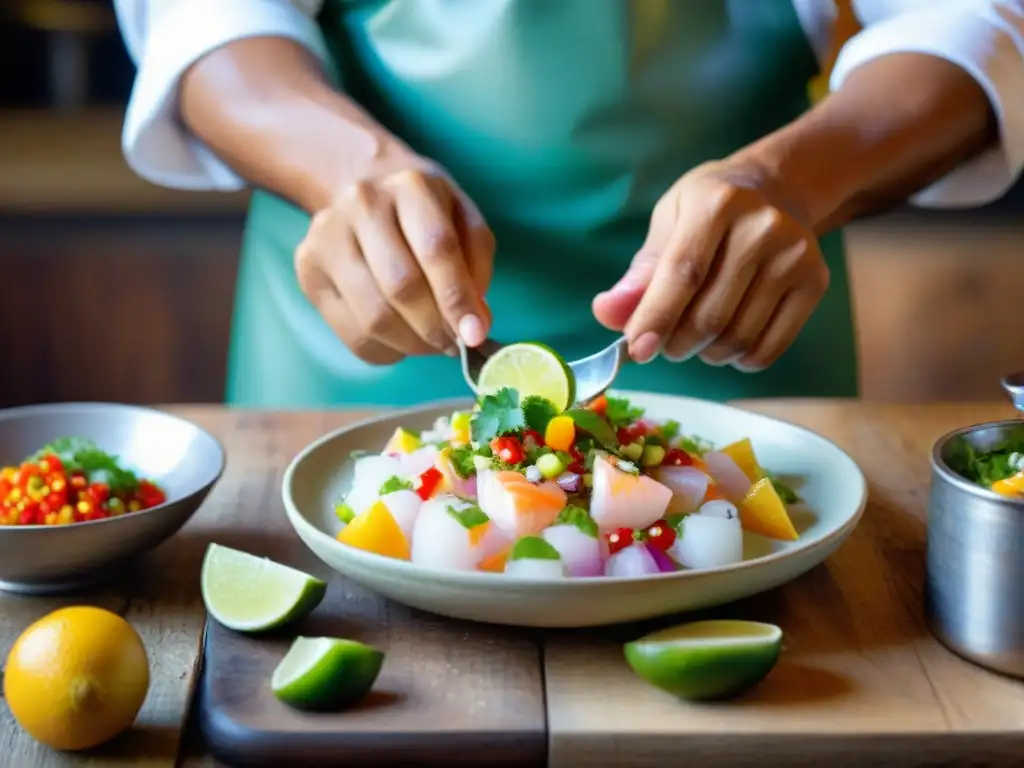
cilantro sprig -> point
(499, 414)
(78, 454)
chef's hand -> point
(726, 272)
(399, 263)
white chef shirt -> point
(984, 37)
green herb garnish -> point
(344, 512)
(394, 484)
(785, 491)
(533, 548)
(537, 412)
(462, 460)
(621, 413)
(499, 414)
(80, 455)
(695, 446)
(591, 422)
(469, 517)
(579, 517)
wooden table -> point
(860, 683)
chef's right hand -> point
(399, 264)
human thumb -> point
(613, 307)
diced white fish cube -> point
(405, 507)
(527, 568)
(708, 541)
(621, 500)
(440, 540)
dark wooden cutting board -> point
(449, 693)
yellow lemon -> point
(77, 677)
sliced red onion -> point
(581, 554)
(689, 485)
(727, 474)
(634, 560)
(663, 561)
(569, 482)
(468, 487)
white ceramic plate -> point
(831, 484)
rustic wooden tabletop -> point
(860, 683)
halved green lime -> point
(252, 594)
(324, 673)
(533, 370)
(706, 659)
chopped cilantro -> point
(499, 414)
(669, 431)
(578, 517)
(986, 468)
(533, 548)
(621, 413)
(344, 512)
(462, 459)
(537, 412)
(695, 446)
(80, 455)
(469, 517)
(592, 423)
(785, 491)
(393, 484)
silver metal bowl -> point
(974, 585)
(181, 457)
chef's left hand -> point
(726, 272)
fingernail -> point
(677, 358)
(745, 368)
(471, 330)
(646, 347)
(451, 351)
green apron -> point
(565, 121)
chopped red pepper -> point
(428, 483)
(619, 539)
(677, 457)
(508, 449)
(661, 535)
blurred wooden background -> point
(136, 306)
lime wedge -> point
(252, 594)
(324, 673)
(706, 659)
(533, 370)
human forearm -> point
(897, 124)
(265, 107)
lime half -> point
(533, 370)
(324, 673)
(252, 594)
(706, 659)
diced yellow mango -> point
(560, 433)
(460, 427)
(742, 452)
(375, 530)
(1012, 486)
(763, 512)
(403, 442)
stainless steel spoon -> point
(593, 374)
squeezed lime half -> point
(326, 673)
(533, 370)
(706, 660)
(247, 593)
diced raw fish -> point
(581, 554)
(371, 472)
(441, 539)
(634, 560)
(720, 508)
(688, 485)
(517, 506)
(623, 500)
(535, 569)
(404, 507)
(708, 541)
(419, 461)
(727, 475)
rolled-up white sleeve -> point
(165, 38)
(985, 38)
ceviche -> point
(516, 487)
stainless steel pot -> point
(974, 586)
